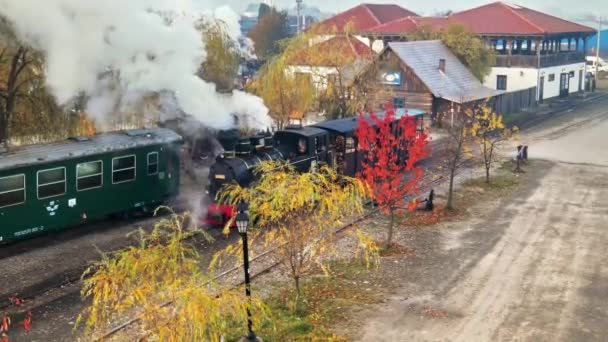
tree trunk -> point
(296, 280)
(450, 205)
(389, 239)
(3, 129)
(487, 175)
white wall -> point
(318, 74)
(524, 78)
(517, 78)
(551, 89)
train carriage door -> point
(350, 157)
(321, 148)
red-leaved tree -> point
(391, 148)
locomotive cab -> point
(302, 146)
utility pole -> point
(299, 14)
(597, 48)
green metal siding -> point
(67, 210)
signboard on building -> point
(391, 78)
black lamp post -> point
(242, 221)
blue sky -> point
(565, 8)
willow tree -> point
(343, 68)
(20, 80)
(222, 59)
(298, 214)
(161, 281)
(286, 94)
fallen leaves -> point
(434, 313)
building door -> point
(564, 80)
(580, 80)
(541, 89)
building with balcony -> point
(534, 49)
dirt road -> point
(535, 269)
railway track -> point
(428, 184)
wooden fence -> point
(515, 101)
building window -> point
(89, 175)
(551, 78)
(12, 190)
(152, 163)
(399, 102)
(571, 74)
(51, 182)
(501, 82)
(123, 169)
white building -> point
(534, 49)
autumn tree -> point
(343, 68)
(221, 64)
(284, 93)
(456, 148)
(489, 131)
(160, 279)
(469, 49)
(391, 149)
(271, 28)
(19, 69)
(297, 213)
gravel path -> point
(534, 268)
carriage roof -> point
(85, 146)
(347, 126)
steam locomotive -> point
(331, 143)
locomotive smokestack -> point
(229, 139)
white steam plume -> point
(84, 39)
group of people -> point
(5, 322)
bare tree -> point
(13, 64)
(456, 149)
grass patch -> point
(326, 300)
(502, 178)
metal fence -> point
(515, 101)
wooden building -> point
(425, 75)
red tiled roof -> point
(409, 25)
(365, 16)
(349, 47)
(503, 18)
(403, 25)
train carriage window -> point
(12, 190)
(152, 163)
(89, 175)
(51, 183)
(302, 148)
(123, 169)
(350, 145)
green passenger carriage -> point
(59, 185)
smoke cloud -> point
(117, 52)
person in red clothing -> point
(27, 322)
(5, 323)
(3, 337)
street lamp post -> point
(242, 222)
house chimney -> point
(442, 65)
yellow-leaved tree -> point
(285, 94)
(343, 68)
(298, 214)
(161, 281)
(489, 131)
